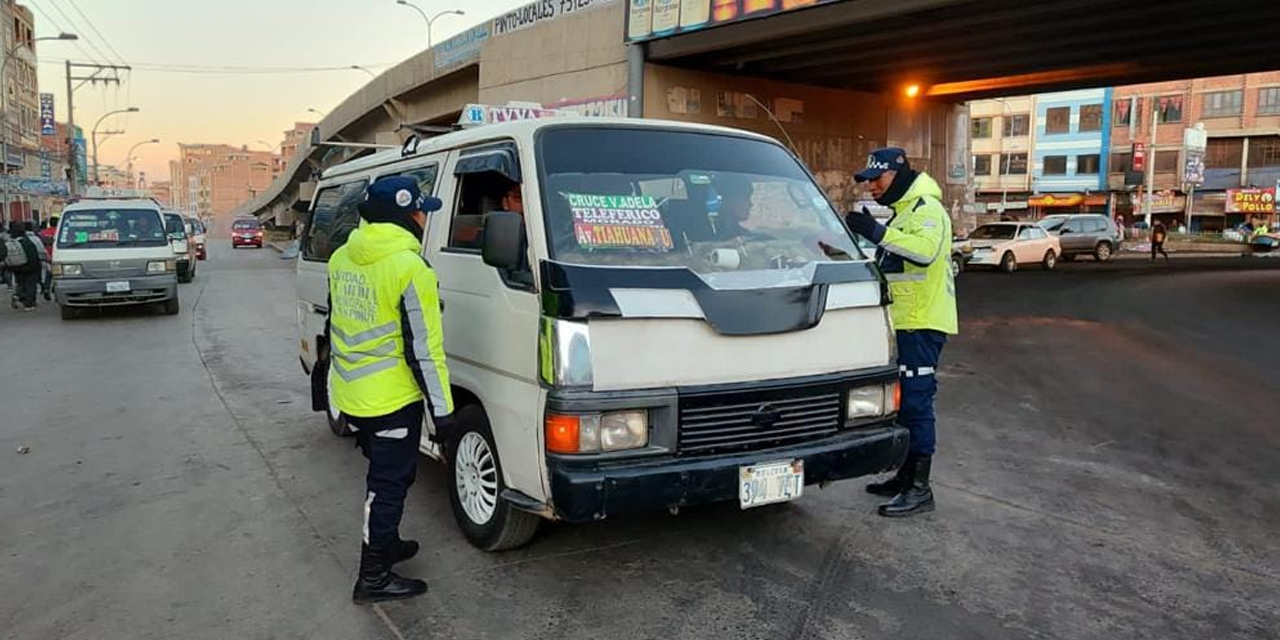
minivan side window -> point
(426, 177)
(333, 218)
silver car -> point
(1085, 234)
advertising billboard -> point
(648, 19)
(1260, 201)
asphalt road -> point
(1109, 469)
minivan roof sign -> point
(474, 115)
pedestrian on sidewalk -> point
(27, 275)
(1158, 235)
(387, 356)
(46, 262)
(914, 252)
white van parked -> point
(180, 240)
(677, 316)
(113, 253)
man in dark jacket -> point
(28, 275)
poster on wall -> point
(725, 102)
(648, 19)
(789, 110)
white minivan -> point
(665, 315)
(110, 253)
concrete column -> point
(635, 80)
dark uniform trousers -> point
(918, 354)
(390, 443)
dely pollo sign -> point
(1251, 200)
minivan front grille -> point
(716, 423)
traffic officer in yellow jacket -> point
(387, 358)
(914, 252)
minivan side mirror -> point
(504, 240)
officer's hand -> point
(444, 429)
(865, 225)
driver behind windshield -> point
(735, 208)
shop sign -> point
(648, 19)
(541, 11)
(47, 126)
(1251, 200)
(1012, 204)
(1164, 201)
(1058, 200)
(1139, 163)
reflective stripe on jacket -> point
(915, 255)
(386, 340)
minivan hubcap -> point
(476, 476)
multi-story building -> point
(212, 180)
(1001, 141)
(160, 191)
(294, 138)
(21, 116)
(1068, 173)
(1241, 115)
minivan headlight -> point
(872, 401)
(597, 432)
(60, 269)
(160, 266)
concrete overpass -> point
(844, 62)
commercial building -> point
(294, 139)
(1069, 159)
(29, 173)
(212, 180)
(1241, 164)
(1001, 139)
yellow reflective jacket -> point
(386, 340)
(915, 255)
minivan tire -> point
(172, 306)
(1103, 252)
(506, 527)
(1008, 263)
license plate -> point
(770, 483)
(118, 287)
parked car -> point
(961, 251)
(246, 232)
(176, 226)
(195, 231)
(1007, 245)
(1086, 234)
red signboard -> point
(1139, 157)
(648, 19)
(1261, 201)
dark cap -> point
(882, 160)
(395, 197)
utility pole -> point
(95, 73)
(1151, 164)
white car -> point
(1006, 245)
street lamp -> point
(129, 157)
(360, 68)
(312, 110)
(432, 19)
(4, 107)
(95, 136)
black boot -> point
(917, 497)
(402, 550)
(377, 583)
(893, 486)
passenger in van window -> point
(735, 208)
(513, 200)
(387, 357)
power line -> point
(58, 27)
(83, 36)
(216, 70)
(94, 28)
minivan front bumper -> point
(92, 292)
(592, 491)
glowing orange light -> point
(913, 90)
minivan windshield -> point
(245, 224)
(709, 202)
(994, 232)
(176, 227)
(85, 228)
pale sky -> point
(207, 106)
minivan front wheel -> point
(475, 492)
(171, 306)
